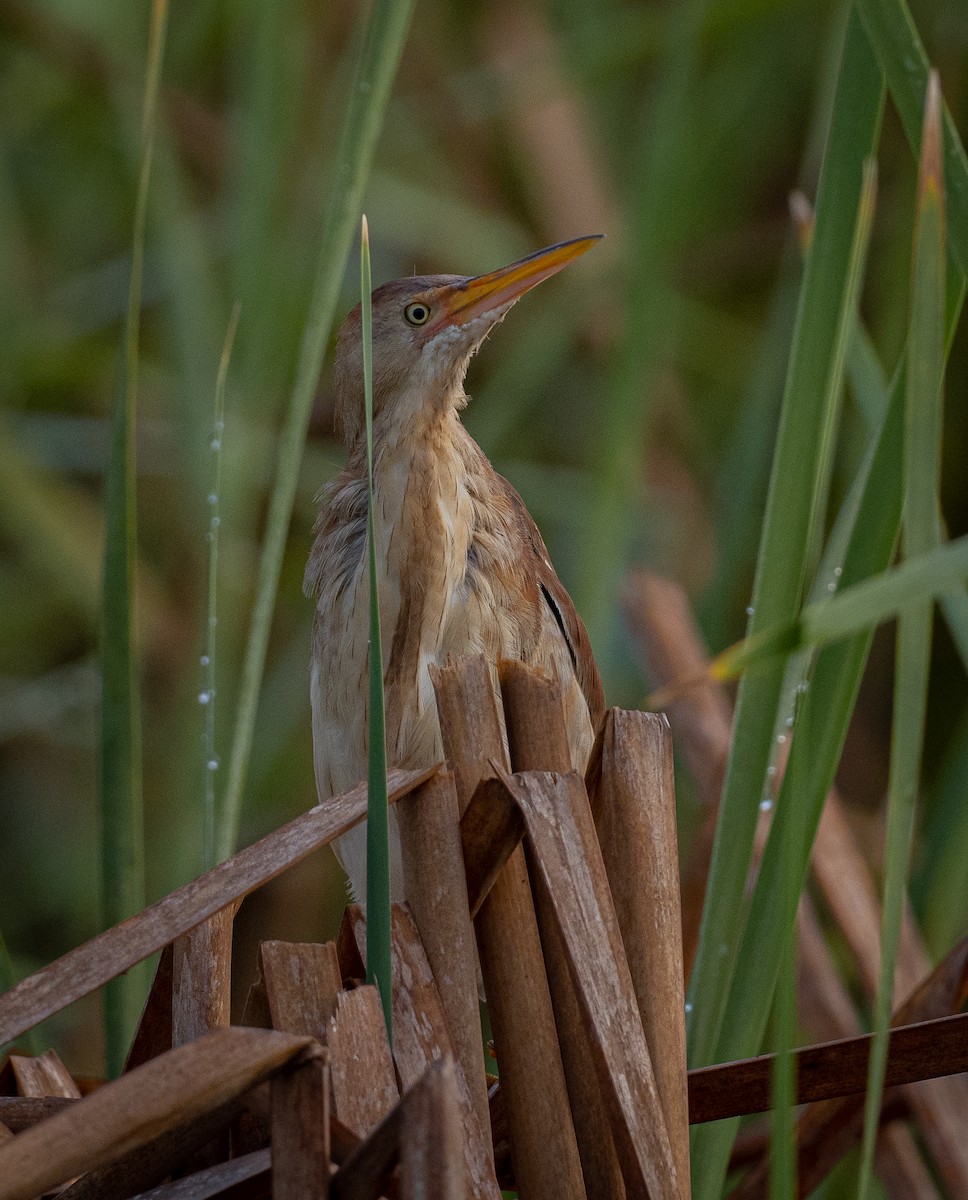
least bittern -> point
(463, 568)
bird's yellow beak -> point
(485, 294)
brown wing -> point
(555, 596)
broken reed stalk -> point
(171, 1091)
(436, 889)
(300, 1130)
(633, 791)
(84, 970)
(431, 1153)
(538, 741)
(361, 1068)
(543, 1145)
(665, 633)
(563, 849)
(421, 1037)
(201, 990)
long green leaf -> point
(382, 47)
(798, 471)
(377, 799)
(207, 696)
(904, 62)
(927, 577)
(922, 469)
(122, 863)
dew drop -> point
(749, 610)
(688, 1007)
(204, 660)
(212, 764)
(771, 770)
(780, 739)
(766, 805)
(838, 571)
(215, 444)
(213, 498)
(789, 722)
(204, 697)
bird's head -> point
(425, 331)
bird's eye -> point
(417, 314)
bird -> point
(462, 567)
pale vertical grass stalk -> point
(381, 49)
(922, 462)
(122, 861)
(207, 695)
(377, 803)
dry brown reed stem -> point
(665, 633)
(827, 1012)
(544, 1149)
(827, 1130)
(421, 1037)
(436, 889)
(154, 1033)
(201, 992)
(142, 1168)
(43, 1075)
(368, 1170)
(431, 1153)
(19, 1112)
(172, 1091)
(361, 1068)
(845, 880)
(563, 848)
(245, 1178)
(423, 1134)
(925, 1049)
(300, 1130)
(491, 830)
(302, 981)
(632, 783)
(548, 124)
(82, 971)
(538, 741)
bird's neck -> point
(423, 475)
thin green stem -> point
(382, 47)
(123, 871)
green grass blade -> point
(798, 469)
(922, 467)
(123, 870)
(902, 57)
(825, 715)
(925, 578)
(382, 47)
(207, 695)
(377, 799)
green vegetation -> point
(764, 425)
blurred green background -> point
(632, 400)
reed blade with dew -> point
(122, 813)
(377, 800)
(919, 529)
(798, 474)
(382, 45)
(207, 695)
